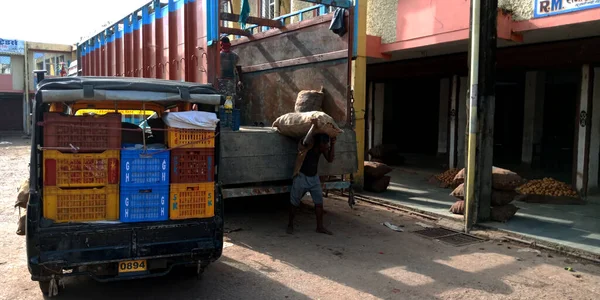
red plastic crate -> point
(89, 133)
(192, 165)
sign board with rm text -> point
(546, 8)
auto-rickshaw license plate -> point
(133, 266)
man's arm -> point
(330, 155)
(238, 74)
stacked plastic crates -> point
(81, 186)
(192, 173)
(144, 194)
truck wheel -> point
(45, 287)
(196, 269)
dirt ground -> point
(362, 260)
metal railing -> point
(321, 9)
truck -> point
(279, 57)
(165, 56)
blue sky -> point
(61, 21)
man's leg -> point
(296, 195)
(316, 193)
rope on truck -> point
(76, 149)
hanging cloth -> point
(338, 26)
(244, 13)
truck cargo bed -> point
(260, 154)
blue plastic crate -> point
(235, 119)
(144, 169)
(138, 204)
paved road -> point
(363, 260)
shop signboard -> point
(546, 8)
(12, 47)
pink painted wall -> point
(6, 82)
(423, 18)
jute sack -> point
(298, 124)
(502, 179)
(499, 197)
(23, 196)
(458, 208)
(376, 170)
(503, 213)
(459, 192)
(378, 185)
(309, 100)
(21, 225)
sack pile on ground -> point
(446, 179)
(375, 176)
(297, 125)
(309, 100)
(548, 191)
(504, 183)
(502, 179)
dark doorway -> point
(411, 115)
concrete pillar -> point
(378, 102)
(443, 116)
(453, 123)
(594, 163)
(359, 86)
(533, 114)
(582, 132)
(462, 122)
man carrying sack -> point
(306, 179)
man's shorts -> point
(303, 184)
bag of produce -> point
(503, 213)
(309, 101)
(297, 125)
(21, 225)
(376, 170)
(377, 185)
(502, 179)
(23, 196)
(458, 208)
(501, 198)
(459, 192)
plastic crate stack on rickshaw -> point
(89, 175)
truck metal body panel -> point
(256, 154)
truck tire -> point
(45, 287)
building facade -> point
(547, 117)
(18, 59)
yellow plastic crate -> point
(191, 138)
(81, 169)
(78, 205)
(192, 200)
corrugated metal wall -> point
(171, 40)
